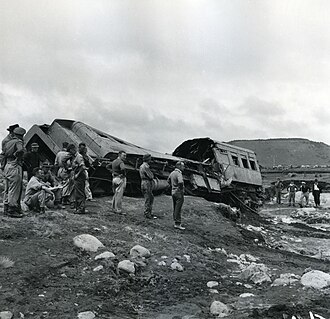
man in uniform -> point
(13, 173)
(79, 179)
(38, 194)
(32, 159)
(176, 181)
(118, 182)
(147, 185)
(10, 136)
(82, 149)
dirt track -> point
(53, 279)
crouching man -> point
(38, 195)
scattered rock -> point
(219, 308)
(316, 279)
(86, 315)
(229, 212)
(176, 266)
(187, 258)
(105, 255)
(139, 251)
(213, 291)
(257, 273)
(6, 315)
(286, 280)
(246, 295)
(248, 258)
(6, 262)
(162, 263)
(127, 265)
(98, 268)
(212, 284)
(248, 286)
(87, 242)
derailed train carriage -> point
(103, 148)
(227, 173)
(237, 166)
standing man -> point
(304, 193)
(82, 149)
(278, 190)
(79, 178)
(10, 136)
(32, 159)
(13, 173)
(176, 181)
(118, 182)
(147, 185)
(316, 191)
(292, 188)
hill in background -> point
(287, 151)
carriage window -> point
(253, 165)
(235, 160)
(245, 162)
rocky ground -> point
(215, 265)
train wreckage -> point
(208, 172)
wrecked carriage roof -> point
(197, 146)
(99, 143)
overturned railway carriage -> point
(237, 166)
(103, 148)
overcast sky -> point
(159, 72)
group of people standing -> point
(175, 181)
(66, 182)
(305, 191)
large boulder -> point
(139, 251)
(87, 242)
(220, 309)
(316, 279)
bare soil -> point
(51, 278)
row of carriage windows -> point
(237, 160)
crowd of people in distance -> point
(66, 182)
(305, 192)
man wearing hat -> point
(304, 194)
(32, 160)
(292, 188)
(13, 173)
(4, 142)
(147, 186)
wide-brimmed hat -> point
(34, 145)
(12, 127)
(303, 182)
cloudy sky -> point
(158, 72)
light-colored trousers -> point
(13, 174)
(118, 187)
(38, 200)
